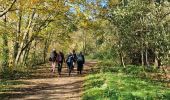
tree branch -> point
(27, 44)
(7, 9)
(165, 15)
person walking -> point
(60, 60)
(69, 62)
(53, 59)
(80, 62)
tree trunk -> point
(25, 60)
(142, 57)
(156, 59)
(34, 54)
(24, 51)
(5, 49)
(16, 44)
(21, 49)
(142, 53)
(146, 57)
(122, 59)
(23, 55)
(25, 37)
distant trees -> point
(137, 30)
(141, 31)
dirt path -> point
(44, 85)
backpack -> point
(52, 55)
(69, 59)
(79, 58)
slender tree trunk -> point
(146, 57)
(142, 57)
(142, 53)
(122, 59)
(5, 49)
(156, 59)
(21, 50)
(16, 43)
(24, 51)
(34, 56)
(23, 56)
(25, 60)
(25, 37)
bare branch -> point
(7, 9)
(165, 15)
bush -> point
(15, 73)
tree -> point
(8, 8)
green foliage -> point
(114, 82)
(5, 85)
(119, 86)
(105, 53)
(16, 72)
(136, 71)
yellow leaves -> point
(13, 16)
(114, 2)
(71, 1)
(79, 14)
(77, 8)
(25, 4)
(84, 23)
(67, 8)
(34, 1)
(104, 11)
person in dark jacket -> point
(80, 62)
(69, 62)
(74, 58)
(60, 60)
(53, 59)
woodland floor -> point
(43, 85)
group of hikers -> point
(72, 59)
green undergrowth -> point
(18, 72)
(120, 86)
(113, 82)
(15, 73)
(7, 85)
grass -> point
(118, 85)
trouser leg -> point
(59, 68)
(53, 66)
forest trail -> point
(43, 85)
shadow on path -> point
(44, 85)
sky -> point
(103, 3)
